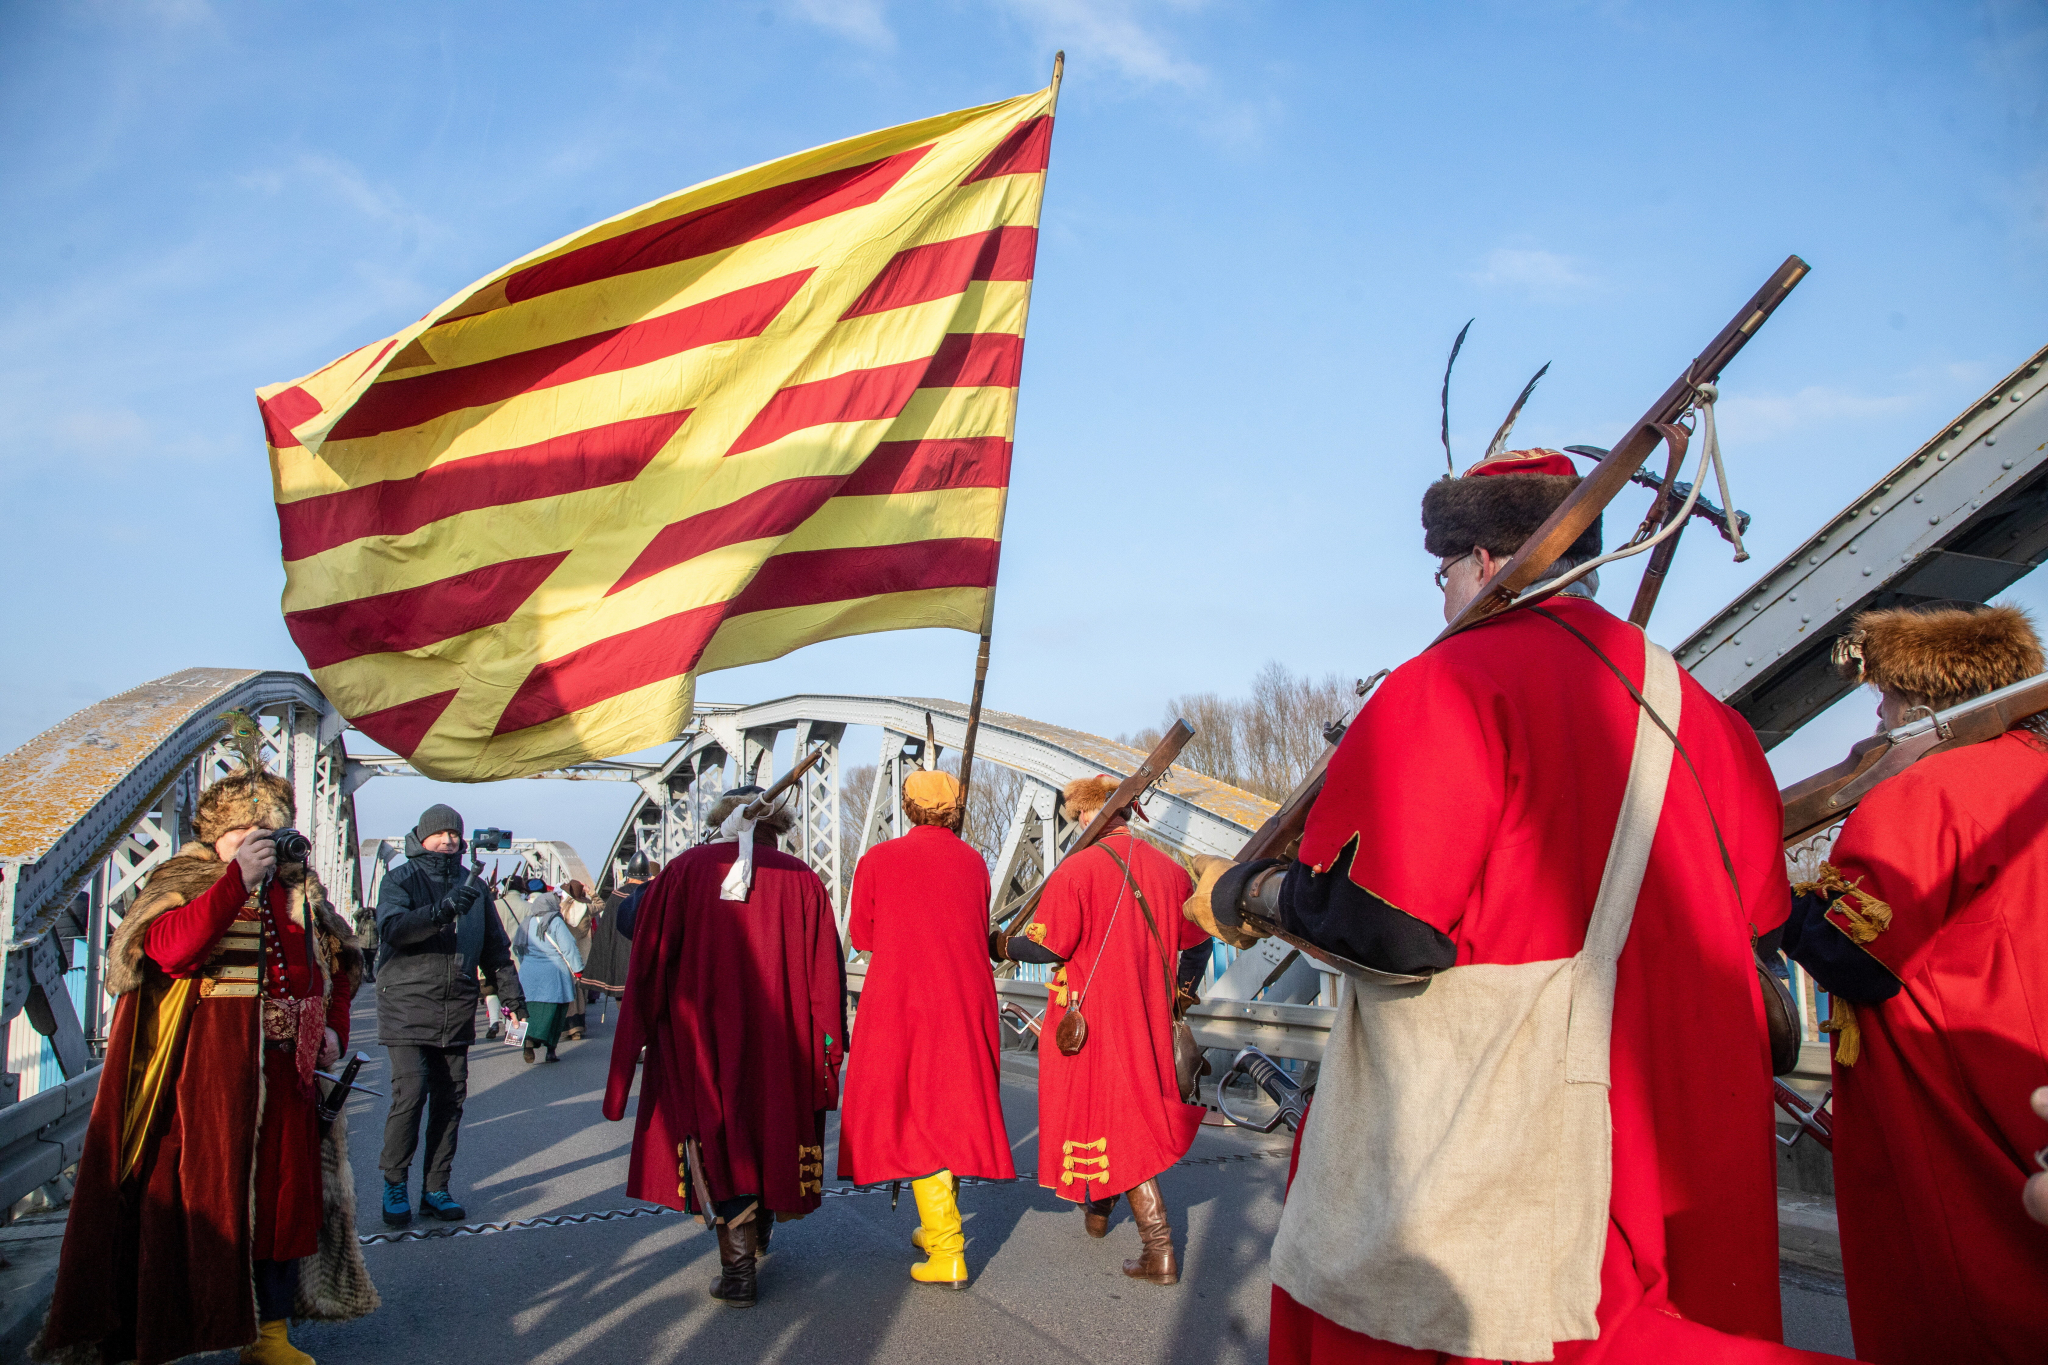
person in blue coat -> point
(549, 961)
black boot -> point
(1157, 1262)
(764, 1232)
(1095, 1214)
(736, 1251)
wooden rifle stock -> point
(1130, 789)
(1816, 802)
(1611, 475)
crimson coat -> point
(1480, 786)
(924, 1089)
(1933, 1134)
(229, 1166)
(1110, 1117)
(741, 1008)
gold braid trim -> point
(1868, 917)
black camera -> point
(291, 846)
(490, 840)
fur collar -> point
(191, 874)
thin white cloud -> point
(1117, 34)
(1760, 416)
(859, 21)
(1542, 275)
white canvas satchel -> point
(1453, 1184)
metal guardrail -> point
(43, 1135)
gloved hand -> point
(456, 903)
(1200, 909)
(519, 1011)
(998, 946)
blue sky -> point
(1263, 225)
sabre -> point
(329, 1109)
(1816, 1119)
(1291, 1099)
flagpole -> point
(1059, 68)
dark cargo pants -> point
(436, 1079)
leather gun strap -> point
(1165, 958)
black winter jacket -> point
(426, 972)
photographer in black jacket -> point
(435, 927)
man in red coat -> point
(1110, 1117)
(210, 1207)
(737, 992)
(924, 1091)
(1467, 819)
(1928, 926)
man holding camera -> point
(435, 928)
(213, 1201)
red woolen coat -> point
(741, 1007)
(1481, 784)
(923, 1089)
(1110, 1117)
(1933, 1134)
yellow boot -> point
(917, 1233)
(943, 1241)
(273, 1347)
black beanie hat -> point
(435, 819)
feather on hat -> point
(249, 795)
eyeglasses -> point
(1443, 574)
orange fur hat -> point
(1084, 796)
(931, 798)
(1942, 656)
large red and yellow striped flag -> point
(772, 409)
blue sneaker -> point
(441, 1204)
(397, 1211)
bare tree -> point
(1263, 743)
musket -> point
(1556, 535)
(1816, 802)
(765, 802)
(1129, 790)
(329, 1109)
(1672, 496)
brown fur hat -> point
(243, 798)
(779, 820)
(1496, 505)
(1084, 796)
(1940, 656)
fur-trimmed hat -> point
(780, 820)
(931, 798)
(1497, 504)
(1940, 656)
(1084, 796)
(250, 795)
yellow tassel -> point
(1867, 915)
(1848, 1033)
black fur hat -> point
(1498, 504)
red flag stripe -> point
(777, 510)
(963, 360)
(394, 404)
(1026, 151)
(939, 270)
(671, 646)
(412, 618)
(613, 453)
(703, 231)
(283, 411)
(400, 728)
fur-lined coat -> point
(158, 1257)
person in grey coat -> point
(435, 927)
(548, 963)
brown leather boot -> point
(735, 1282)
(763, 1224)
(1095, 1213)
(1157, 1263)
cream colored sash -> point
(1453, 1186)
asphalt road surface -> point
(837, 1286)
